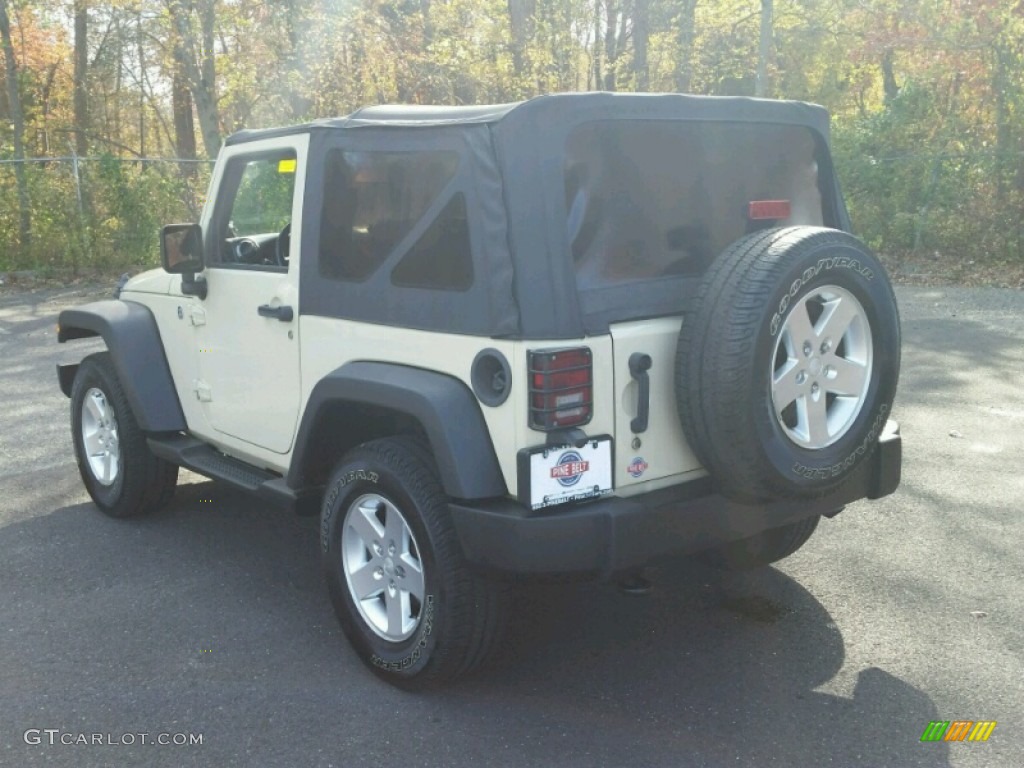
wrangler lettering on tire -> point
(787, 363)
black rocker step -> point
(199, 457)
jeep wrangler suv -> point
(564, 337)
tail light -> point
(561, 388)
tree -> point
(18, 119)
(181, 106)
(194, 53)
(685, 34)
(81, 105)
(520, 15)
(641, 38)
(764, 48)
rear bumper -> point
(600, 538)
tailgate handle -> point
(639, 365)
(284, 314)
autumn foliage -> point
(927, 97)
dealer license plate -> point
(549, 476)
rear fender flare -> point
(442, 406)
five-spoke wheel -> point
(99, 435)
(412, 609)
(121, 474)
(822, 366)
(382, 567)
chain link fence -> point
(100, 212)
(105, 212)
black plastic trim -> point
(194, 285)
(199, 457)
(442, 406)
(639, 365)
(484, 380)
(611, 535)
(66, 377)
(133, 339)
(283, 313)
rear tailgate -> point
(658, 455)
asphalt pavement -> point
(210, 619)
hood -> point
(151, 281)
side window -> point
(441, 259)
(372, 201)
(256, 229)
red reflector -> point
(768, 209)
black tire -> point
(460, 617)
(764, 548)
(727, 350)
(143, 483)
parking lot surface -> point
(210, 618)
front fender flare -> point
(443, 406)
(133, 340)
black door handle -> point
(284, 314)
(639, 364)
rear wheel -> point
(120, 473)
(764, 548)
(405, 598)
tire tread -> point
(148, 482)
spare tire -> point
(787, 363)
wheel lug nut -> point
(815, 388)
(391, 548)
(807, 349)
(826, 345)
(399, 571)
(801, 377)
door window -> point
(256, 231)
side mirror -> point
(181, 253)
(181, 248)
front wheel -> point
(405, 598)
(120, 473)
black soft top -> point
(544, 110)
(513, 180)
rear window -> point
(647, 200)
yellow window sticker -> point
(286, 166)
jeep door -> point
(248, 331)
